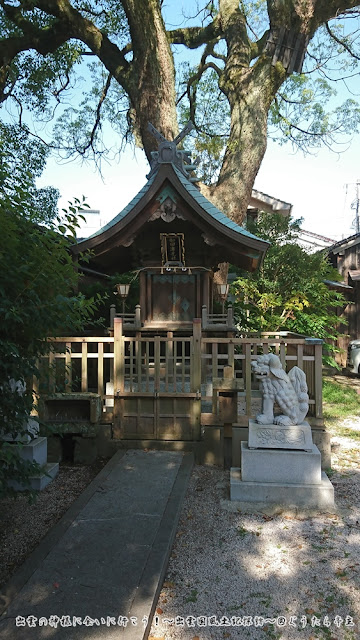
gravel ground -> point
(23, 525)
(231, 560)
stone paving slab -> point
(107, 556)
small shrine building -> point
(174, 238)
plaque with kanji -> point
(172, 249)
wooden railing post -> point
(112, 315)
(157, 364)
(196, 368)
(247, 380)
(119, 363)
(52, 371)
(84, 371)
(204, 316)
(195, 386)
(68, 369)
(101, 369)
(119, 374)
(318, 381)
(169, 364)
(137, 317)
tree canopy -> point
(37, 285)
(289, 292)
(251, 64)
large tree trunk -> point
(250, 91)
(152, 88)
(249, 103)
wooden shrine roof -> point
(233, 242)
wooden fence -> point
(145, 365)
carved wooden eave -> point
(171, 201)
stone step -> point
(280, 465)
(38, 482)
(299, 495)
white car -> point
(354, 356)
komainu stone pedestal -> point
(289, 476)
(280, 465)
(36, 451)
(273, 436)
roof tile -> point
(205, 204)
(210, 208)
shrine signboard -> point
(172, 249)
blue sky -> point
(315, 185)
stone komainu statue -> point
(289, 391)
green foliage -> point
(37, 284)
(307, 114)
(21, 161)
(288, 292)
(75, 131)
(45, 85)
(105, 291)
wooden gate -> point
(157, 383)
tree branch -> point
(62, 88)
(43, 41)
(83, 29)
(98, 115)
(194, 37)
(308, 15)
(258, 47)
(341, 42)
(194, 79)
(69, 23)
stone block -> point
(298, 495)
(280, 465)
(71, 408)
(212, 446)
(322, 440)
(55, 453)
(35, 451)
(239, 434)
(38, 482)
(272, 436)
(105, 445)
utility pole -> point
(356, 205)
